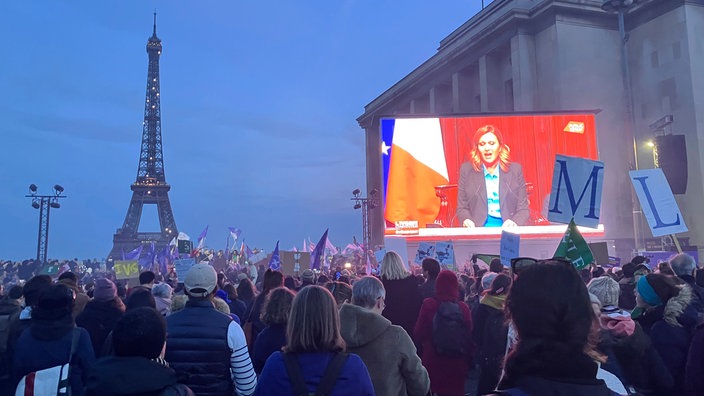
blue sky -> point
(259, 101)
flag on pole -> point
(275, 261)
(574, 248)
(201, 238)
(294, 249)
(318, 252)
(163, 258)
(147, 260)
(328, 245)
(133, 254)
(304, 249)
(235, 232)
(311, 245)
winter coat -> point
(447, 374)
(353, 379)
(48, 344)
(694, 369)
(427, 289)
(113, 376)
(670, 327)
(627, 297)
(402, 302)
(99, 318)
(387, 351)
(489, 333)
(269, 340)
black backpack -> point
(450, 331)
(327, 383)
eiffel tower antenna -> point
(150, 187)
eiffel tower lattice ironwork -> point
(150, 188)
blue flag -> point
(163, 258)
(146, 262)
(318, 252)
(275, 261)
(133, 254)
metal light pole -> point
(365, 203)
(622, 7)
(44, 203)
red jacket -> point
(447, 374)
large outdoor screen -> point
(423, 158)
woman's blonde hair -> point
(392, 267)
(504, 149)
(314, 324)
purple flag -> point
(235, 232)
(147, 260)
(275, 261)
(133, 254)
(318, 252)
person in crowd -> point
(271, 280)
(550, 310)
(491, 190)
(10, 308)
(402, 292)
(207, 347)
(665, 269)
(70, 279)
(162, 297)
(275, 314)
(684, 267)
(222, 305)
(139, 339)
(694, 368)
(341, 291)
(290, 282)
(146, 282)
(386, 349)
(307, 278)
(495, 266)
(237, 306)
(178, 302)
(486, 280)
(431, 269)
(47, 342)
(314, 340)
(140, 298)
(447, 372)
(490, 332)
(247, 293)
(101, 313)
(630, 353)
(627, 285)
(30, 292)
(669, 317)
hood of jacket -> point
(679, 311)
(360, 326)
(447, 286)
(115, 375)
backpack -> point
(450, 331)
(51, 381)
(327, 383)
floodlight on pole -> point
(44, 203)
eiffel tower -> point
(150, 188)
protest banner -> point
(572, 179)
(425, 249)
(182, 266)
(509, 247)
(126, 269)
(574, 248)
(445, 252)
(657, 202)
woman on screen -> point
(492, 190)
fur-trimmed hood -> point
(679, 311)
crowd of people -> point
(540, 327)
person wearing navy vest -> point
(207, 348)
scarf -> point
(496, 302)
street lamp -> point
(365, 203)
(622, 7)
(44, 203)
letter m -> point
(592, 180)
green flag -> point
(485, 257)
(574, 248)
(50, 269)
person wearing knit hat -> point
(101, 313)
(487, 279)
(307, 278)
(668, 316)
(605, 289)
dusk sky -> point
(258, 99)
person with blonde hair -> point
(491, 191)
(403, 298)
(315, 353)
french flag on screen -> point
(413, 164)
